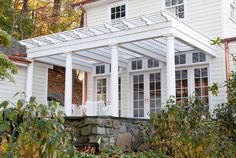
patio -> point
(158, 36)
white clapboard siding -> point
(40, 82)
(232, 50)
(101, 13)
(90, 89)
(205, 16)
(229, 24)
(8, 90)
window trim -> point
(107, 88)
(164, 7)
(115, 4)
(234, 9)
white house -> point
(136, 53)
(8, 90)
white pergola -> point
(158, 35)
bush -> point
(186, 132)
(34, 130)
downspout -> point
(227, 68)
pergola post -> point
(68, 85)
(29, 81)
(114, 80)
(170, 67)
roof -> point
(84, 2)
(16, 52)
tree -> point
(7, 68)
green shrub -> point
(32, 130)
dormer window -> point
(176, 7)
(118, 12)
(233, 9)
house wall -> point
(228, 24)
(210, 17)
(8, 90)
(40, 82)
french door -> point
(146, 94)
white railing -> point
(89, 109)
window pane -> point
(182, 59)
(195, 57)
(122, 14)
(113, 10)
(123, 8)
(197, 72)
(103, 69)
(176, 60)
(204, 72)
(118, 9)
(133, 65)
(202, 57)
(174, 2)
(139, 64)
(150, 63)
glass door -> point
(146, 93)
(138, 95)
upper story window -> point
(180, 59)
(137, 64)
(233, 9)
(152, 63)
(198, 57)
(176, 7)
(118, 12)
(100, 69)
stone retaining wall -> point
(126, 133)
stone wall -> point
(126, 133)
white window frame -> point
(124, 2)
(144, 65)
(107, 88)
(164, 7)
(232, 5)
(103, 74)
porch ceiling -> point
(143, 36)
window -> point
(118, 12)
(102, 89)
(152, 63)
(233, 9)
(198, 57)
(137, 64)
(155, 92)
(201, 84)
(176, 7)
(180, 59)
(100, 69)
(182, 87)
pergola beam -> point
(62, 63)
(142, 51)
(100, 58)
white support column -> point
(114, 81)
(29, 81)
(68, 85)
(170, 67)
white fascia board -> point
(126, 36)
(100, 58)
(191, 36)
(195, 42)
(144, 52)
(62, 63)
